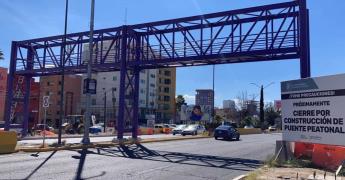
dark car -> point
(226, 132)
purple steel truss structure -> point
(263, 33)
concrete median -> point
(8, 142)
(244, 131)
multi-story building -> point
(156, 93)
(166, 82)
(108, 85)
(204, 97)
(229, 104)
(3, 85)
(51, 86)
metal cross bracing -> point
(263, 33)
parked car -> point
(193, 129)
(178, 129)
(226, 132)
(272, 128)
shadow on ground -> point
(141, 152)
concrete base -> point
(284, 151)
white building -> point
(229, 104)
(109, 83)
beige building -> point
(51, 86)
(166, 82)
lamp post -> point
(62, 113)
(105, 109)
(86, 138)
(262, 113)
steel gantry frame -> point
(262, 33)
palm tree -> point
(1, 55)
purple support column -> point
(26, 106)
(304, 44)
(135, 121)
(26, 112)
(135, 103)
(10, 79)
(123, 71)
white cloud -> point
(190, 99)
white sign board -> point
(313, 110)
(45, 101)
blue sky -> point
(22, 19)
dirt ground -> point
(266, 173)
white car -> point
(193, 129)
(178, 129)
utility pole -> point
(105, 108)
(86, 138)
(62, 112)
(212, 110)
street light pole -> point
(86, 138)
(62, 113)
(212, 110)
(105, 109)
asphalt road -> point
(76, 140)
(186, 159)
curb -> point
(241, 177)
(102, 144)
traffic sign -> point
(45, 101)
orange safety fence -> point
(327, 156)
(303, 150)
(167, 130)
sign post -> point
(313, 110)
(45, 106)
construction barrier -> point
(243, 131)
(8, 141)
(327, 156)
(158, 130)
(167, 130)
(145, 131)
(304, 150)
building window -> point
(59, 82)
(167, 73)
(159, 71)
(113, 89)
(57, 112)
(166, 90)
(167, 81)
(160, 80)
(114, 78)
(153, 76)
(142, 91)
(152, 85)
(47, 93)
(166, 98)
(48, 83)
(160, 89)
(166, 107)
(93, 102)
(113, 99)
(58, 103)
(59, 92)
(142, 81)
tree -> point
(179, 101)
(1, 55)
(270, 114)
(262, 114)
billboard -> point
(195, 113)
(313, 110)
